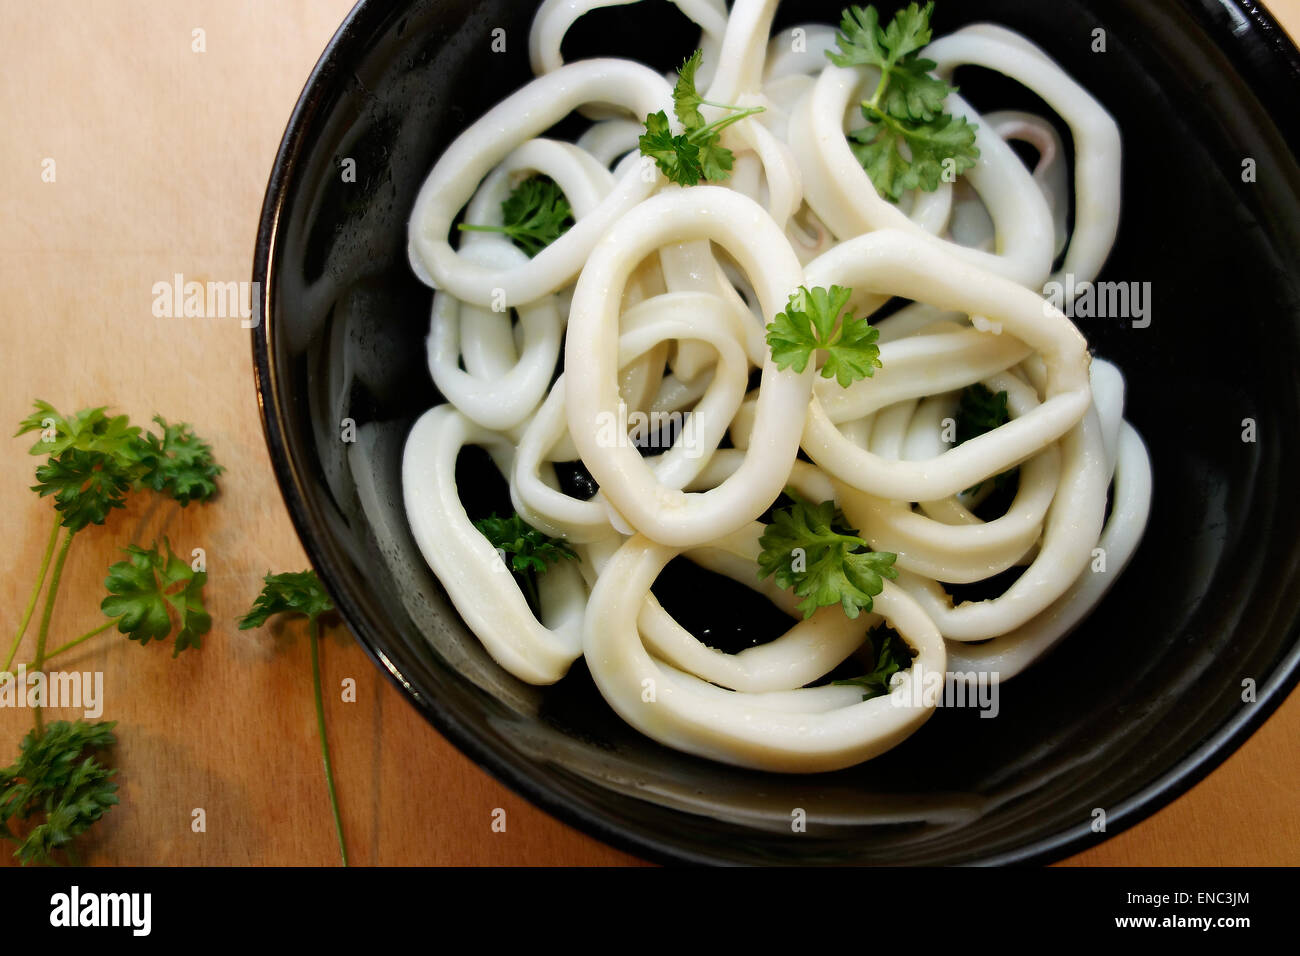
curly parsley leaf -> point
(292, 592)
(908, 142)
(716, 162)
(179, 463)
(808, 549)
(147, 587)
(527, 548)
(95, 459)
(980, 410)
(879, 147)
(816, 319)
(910, 90)
(686, 98)
(90, 430)
(892, 655)
(86, 485)
(535, 214)
(676, 155)
(695, 154)
(58, 781)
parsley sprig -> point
(93, 461)
(528, 548)
(143, 588)
(59, 781)
(809, 549)
(527, 551)
(301, 593)
(86, 485)
(693, 155)
(908, 138)
(980, 410)
(177, 463)
(90, 429)
(891, 655)
(535, 214)
(292, 592)
(816, 319)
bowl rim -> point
(1265, 54)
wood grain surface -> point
(161, 157)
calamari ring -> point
(799, 731)
(915, 268)
(840, 192)
(1098, 151)
(666, 514)
(522, 116)
(677, 316)
(959, 554)
(477, 580)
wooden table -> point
(161, 157)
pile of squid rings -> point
(659, 296)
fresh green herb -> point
(528, 548)
(535, 214)
(89, 429)
(980, 411)
(908, 142)
(813, 321)
(142, 588)
(93, 462)
(694, 154)
(111, 457)
(179, 464)
(527, 551)
(58, 781)
(810, 549)
(891, 655)
(302, 593)
(292, 592)
(686, 98)
(86, 486)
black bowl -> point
(1140, 703)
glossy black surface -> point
(1135, 707)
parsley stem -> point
(881, 87)
(48, 612)
(704, 133)
(36, 593)
(313, 630)
(73, 643)
(51, 595)
(728, 106)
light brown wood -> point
(161, 156)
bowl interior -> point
(1139, 702)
